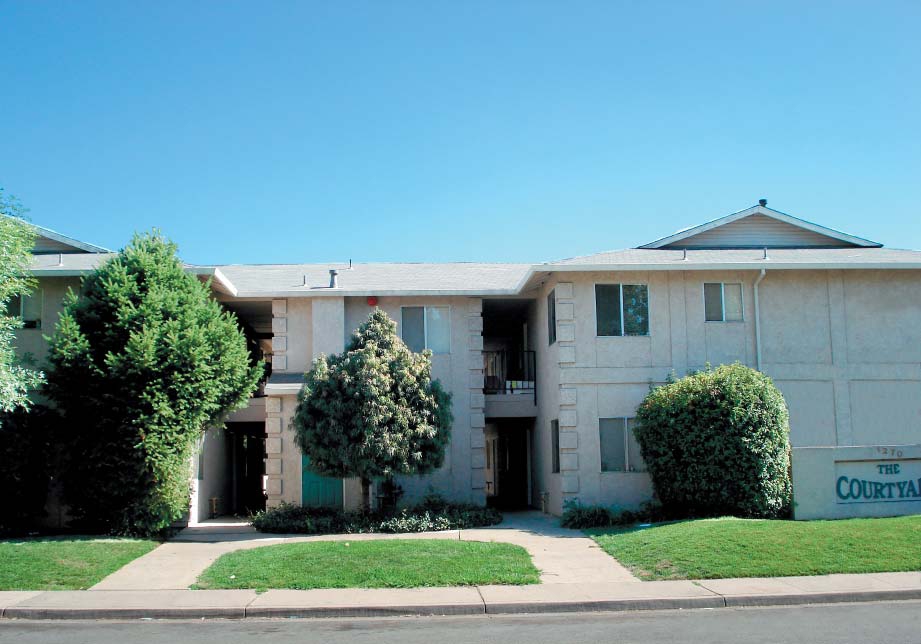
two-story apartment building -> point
(548, 362)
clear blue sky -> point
(483, 131)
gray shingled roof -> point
(826, 258)
(375, 279)
(68, 264)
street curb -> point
(501, 608)
(12, 612)
(854, 597)
(364, 611)
(678, 603)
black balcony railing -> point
(510, 372)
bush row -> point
(433, 513)
(582, 517)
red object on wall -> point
(372, 301)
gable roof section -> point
(759, 227)
(48, 242)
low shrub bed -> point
(433, 513)
(583, 517)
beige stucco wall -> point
(544, 482)
(210, 477)
(324, 325)
(29, 342)
(841, 346)
(460, 372)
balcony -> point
(510, 383)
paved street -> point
(892, 623)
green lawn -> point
(390, 563)
(716, 548)
(71, 563)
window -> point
(622, 309)
(28, 308)
(619, 450)
(722, 302)
(555, 446)
(426, 327)
(14, 307)
(551, 316)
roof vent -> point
(333, 278)
(762, 202)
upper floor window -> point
(426, 327)
(723, 302)
(28, 308)
(620, 452)
(551, 316)
(622, 309)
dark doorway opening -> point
(247, 467)
(508, 464)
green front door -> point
(319, 490)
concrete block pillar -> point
(279, 335)
(274, 467)
(568, 396)
(477, 401)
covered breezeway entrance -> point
(508, 463)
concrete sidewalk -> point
(476, 600)
(576, 575)
(562, 556)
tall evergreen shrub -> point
(717, 443)
(143, 360)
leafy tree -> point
(373, 410)
(143, 360)
(16, 241)
(717, 443)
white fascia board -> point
(222, 279)
(283, 389)
(215, 273)
(338, 292)
(768, 264)
(62, 272)
(69, 241)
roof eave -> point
(69, 241)
(341, 292)
(680, 265)
(284, 388)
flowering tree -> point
(373, 410)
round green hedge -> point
(717, 443)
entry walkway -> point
(563, 556)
